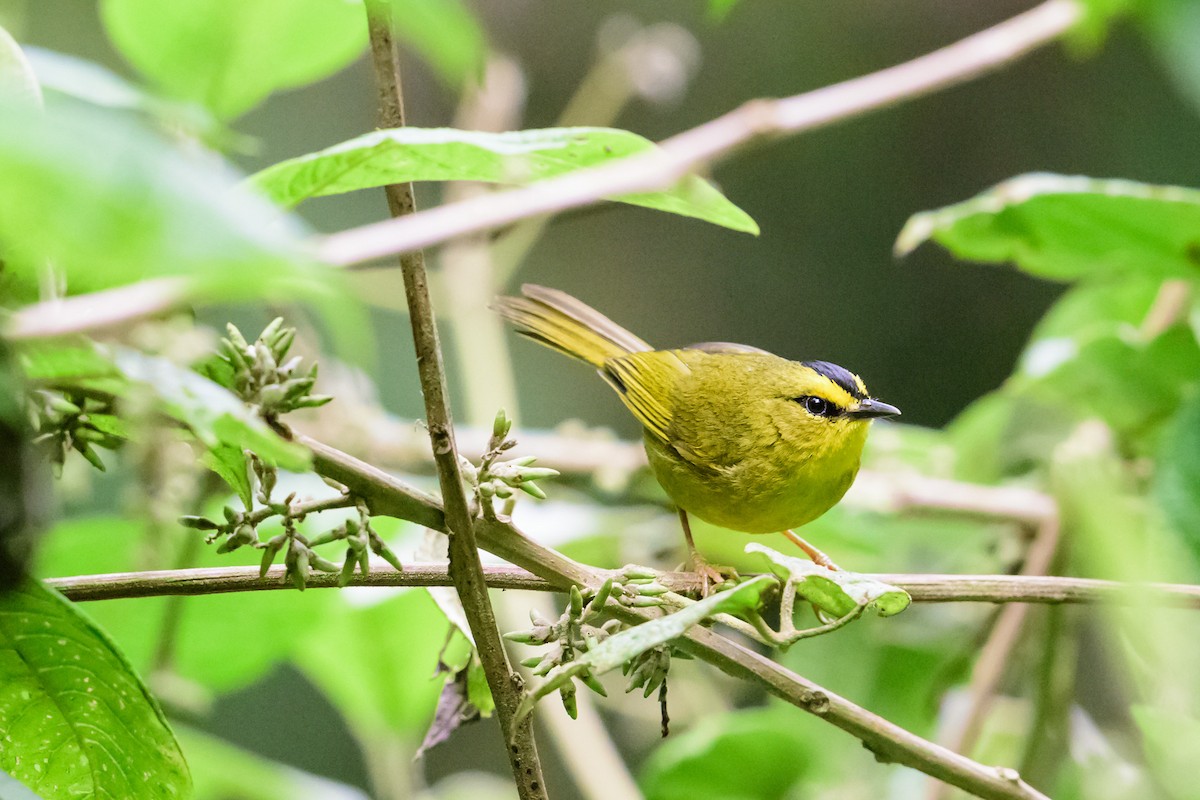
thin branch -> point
(889, 742)
(687, 152)
(465, 568)
(95, 312)
(923, 588)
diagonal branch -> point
(687, 152)
(389, 496)
(465, 568)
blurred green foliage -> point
(116, 182)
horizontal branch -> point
(690, 151)
(923, 588)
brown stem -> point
(386, 494)
(465, 568)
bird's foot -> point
(710, 575)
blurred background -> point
(928, 334)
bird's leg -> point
(816, 555)
(709, 575)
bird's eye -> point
(817, 406)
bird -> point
(738, 437)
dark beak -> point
(867, 409)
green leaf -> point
(518, 157)
(446, 34)
(109, 204)
(632, 642)
(228, 55)
(1177, 473)
(76, 720)
(1066, 228)
(230, 463)
(835, 592)
(770, 755)
(213, 413)
(18, 83)
(1131, 384)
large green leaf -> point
(1067, 227)
(108, 203)
(228, 55)
(517, 157)
(75, 719)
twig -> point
(682, 154)
(386, 495)
(90, 313)
(1001, 641)
(465, 568)
(923, 588)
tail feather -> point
(558, 320)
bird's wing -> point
(646, 383)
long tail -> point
(558, 320)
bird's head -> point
(828, 407)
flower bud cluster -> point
(494, 479)
(263, 375)
(583, 626)
(69, 421)
(579, 629)
(240, 528)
